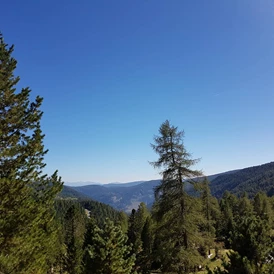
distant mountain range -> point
(129, 195)
(75, 184)
(120, 196)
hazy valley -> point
(129, 195)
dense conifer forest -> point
(42, 232)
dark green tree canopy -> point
(110, 253)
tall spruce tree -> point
(28, 232)
(176, 212)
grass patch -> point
(214, 262)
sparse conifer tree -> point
(175, 211)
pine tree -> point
(262, 207)
(176, 212)
(91, 228)
(137, 221)
(245, 207)
(122, 220)
(145, 258)
(211, 211)
(229, 207)
(109, 252)
(74, 230)
(131, 233)
(28, 231)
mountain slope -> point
(69, 192)
(119, 197)
(250, 180)
(99, 211)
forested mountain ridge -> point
(97, 210)
(250, 180)
(69, 192)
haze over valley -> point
(128, 196)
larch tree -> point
(28, 231)
(178, 214)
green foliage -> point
(79, 219)
(136, 224)
(74, 232)
(251, 180)
(88, 243)
(178, 215)
(145, 257)
(229, 207)
(99, 212)
(109, 252)
(262, 207)
(28, 229)
(250, 236)
(211, 212)
(122, 220)
(140, 237)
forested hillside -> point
(250, 180)
(69, 192)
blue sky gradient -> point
(111, 72)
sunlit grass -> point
(214, 262)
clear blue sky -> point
(111, 72)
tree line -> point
(43, 233)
